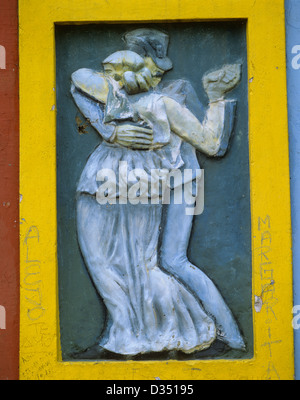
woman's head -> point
(130, 70)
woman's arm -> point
(212, 135)
(94, 112)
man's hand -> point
(219, 82)
(134, 137)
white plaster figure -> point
(156, 299)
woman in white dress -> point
(149, 310)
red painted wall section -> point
(9, 196)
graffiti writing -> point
(267, 298)
(32, 280)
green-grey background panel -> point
(221, 238)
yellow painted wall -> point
(269, 174)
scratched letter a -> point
(2, 318)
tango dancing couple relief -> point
(156, 299)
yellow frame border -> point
(269, 177)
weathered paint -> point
(219, 222)
(293, 80)
(270, 201)
(9, 191)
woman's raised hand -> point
(219, 82)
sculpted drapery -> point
(155, 298)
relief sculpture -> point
(156, 299)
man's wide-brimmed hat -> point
(152, 43)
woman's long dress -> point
(149, 310)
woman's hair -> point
(135, 75)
